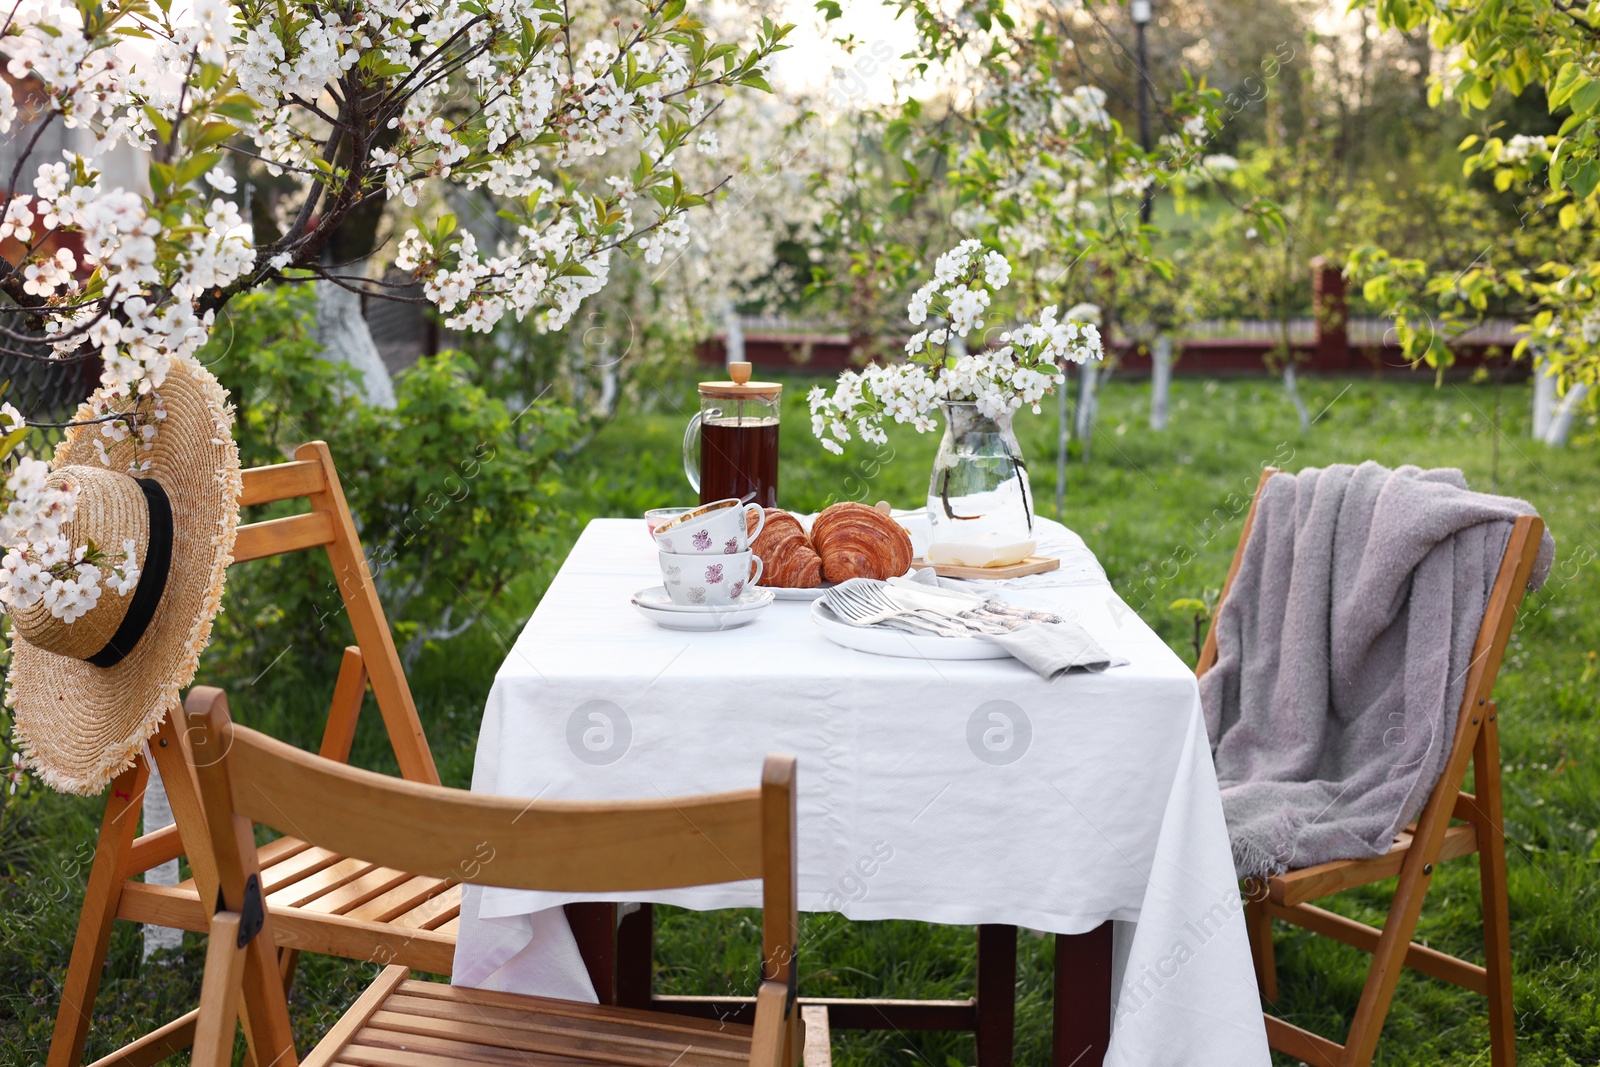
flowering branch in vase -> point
(1023, 370)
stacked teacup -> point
(705, 553)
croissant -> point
(787, 557)
(857, 541)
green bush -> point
(450, 490)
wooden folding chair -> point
(247, 778)
(322, 902)
(1478, 826)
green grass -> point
(1162, 511)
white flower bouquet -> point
(1024, 369)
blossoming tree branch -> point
(358, 103)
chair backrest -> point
(246, 778)
(1208, 652)
(1499, 614)
(329, 525)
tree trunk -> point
(342, 332)
(1160, 380)
(157, 812)
(1291, 387)
(1544, 397)
(732, 332)
(1561, 423)
(1088, 401)
(1063, 436)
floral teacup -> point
(715, 529)
(657, 517)
(711, 580)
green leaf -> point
(1583, 180)
(212, 133)
(195, 166)
(1586, 100)
(1567, 81)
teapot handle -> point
(691, 458)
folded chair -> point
(1453, 824)
(246, 778)
(322, 901)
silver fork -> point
(861, 602)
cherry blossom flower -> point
(1025, 368)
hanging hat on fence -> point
(88, 694)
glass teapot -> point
(730, 447)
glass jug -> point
(730, 447)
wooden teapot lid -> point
(741, 385)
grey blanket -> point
(1342, 655)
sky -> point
(814, 63)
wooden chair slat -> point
(302, 864)
(358, 891)
(274, 537)
(304, 891)
(603, 1022)
(282, 481)
(401, 899)
(638, 1046)
(387, 1048)
(467, 999)
(433, 912)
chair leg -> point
(219, 993)
(1496, 896)
(1259, 925)
(288, 959)
(100, 900)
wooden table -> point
(1082, 803)
(619, 957)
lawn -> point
(1162, 511)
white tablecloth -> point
(953, 792)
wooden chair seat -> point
(400, 1022)
(1310, 883)
(308, 888)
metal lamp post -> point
(1139, 10)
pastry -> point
(857, 541)
(787, 557)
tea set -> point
(709, 574)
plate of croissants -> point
(847, 540)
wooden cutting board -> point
(1031, 565)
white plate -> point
(654, 604)
(881, 641)
(799, 594)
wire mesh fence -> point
(46, 391)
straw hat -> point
(88, 695)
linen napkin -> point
(1050, 648)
